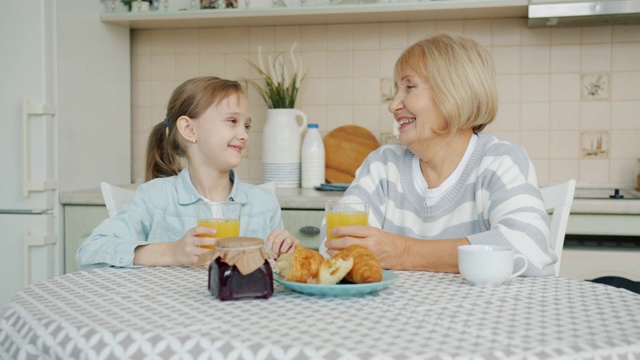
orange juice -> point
(224, 228)
(344, 218)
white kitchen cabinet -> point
(591, 264)
(296, 220)
(590, 259)
(79, 221)
(65, 109)
(607, 224)
(94, 107)
(311, 15)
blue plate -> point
(340, 290)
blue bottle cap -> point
(312, 126)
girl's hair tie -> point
(165, 122)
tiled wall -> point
(548, 79)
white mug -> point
(488, 265)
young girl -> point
(208, 123)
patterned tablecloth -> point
(168, 313)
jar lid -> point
(246, 253)
(240, 243)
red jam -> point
(227, 281)
(232, 285)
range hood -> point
(583, 12)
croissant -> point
(366, 267)
(308, 266)
(302, 265)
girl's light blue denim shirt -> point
(162, 210)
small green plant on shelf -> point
(129, 3)
(281, 83)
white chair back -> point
(115, 197)
(557, 200)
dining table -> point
(169, 313)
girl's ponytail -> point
(162, 159)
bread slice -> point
(333, 270)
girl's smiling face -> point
(415, 111)
(223, 132)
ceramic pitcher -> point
(282, 134)
(281, 141)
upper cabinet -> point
(311, 15)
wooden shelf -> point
(314, 15)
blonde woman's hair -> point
(191, 98)
(462, 76)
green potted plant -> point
(281, 83)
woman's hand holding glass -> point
(388, 248)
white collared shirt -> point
(431, 196)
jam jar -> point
(241, 270)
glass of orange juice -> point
(224, 216)
(342, 213)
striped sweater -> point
(496, 201)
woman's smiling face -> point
(415, 111)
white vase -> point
(281, 141)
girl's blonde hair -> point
(191, 98)
(462, 75)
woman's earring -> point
(193, 140)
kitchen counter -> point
(604, 218)
(605, 206)
(84, 210)
(297, 198)
(289, 198)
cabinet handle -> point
(28, 184)
(29, 241)
(310, 230)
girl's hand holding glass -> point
(188, 249)
(223, 216)
(280, 242)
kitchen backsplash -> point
(569, 96)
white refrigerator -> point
(64, 125)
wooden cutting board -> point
(345, 149)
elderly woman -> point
(446, 183)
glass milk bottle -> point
(312, 158)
